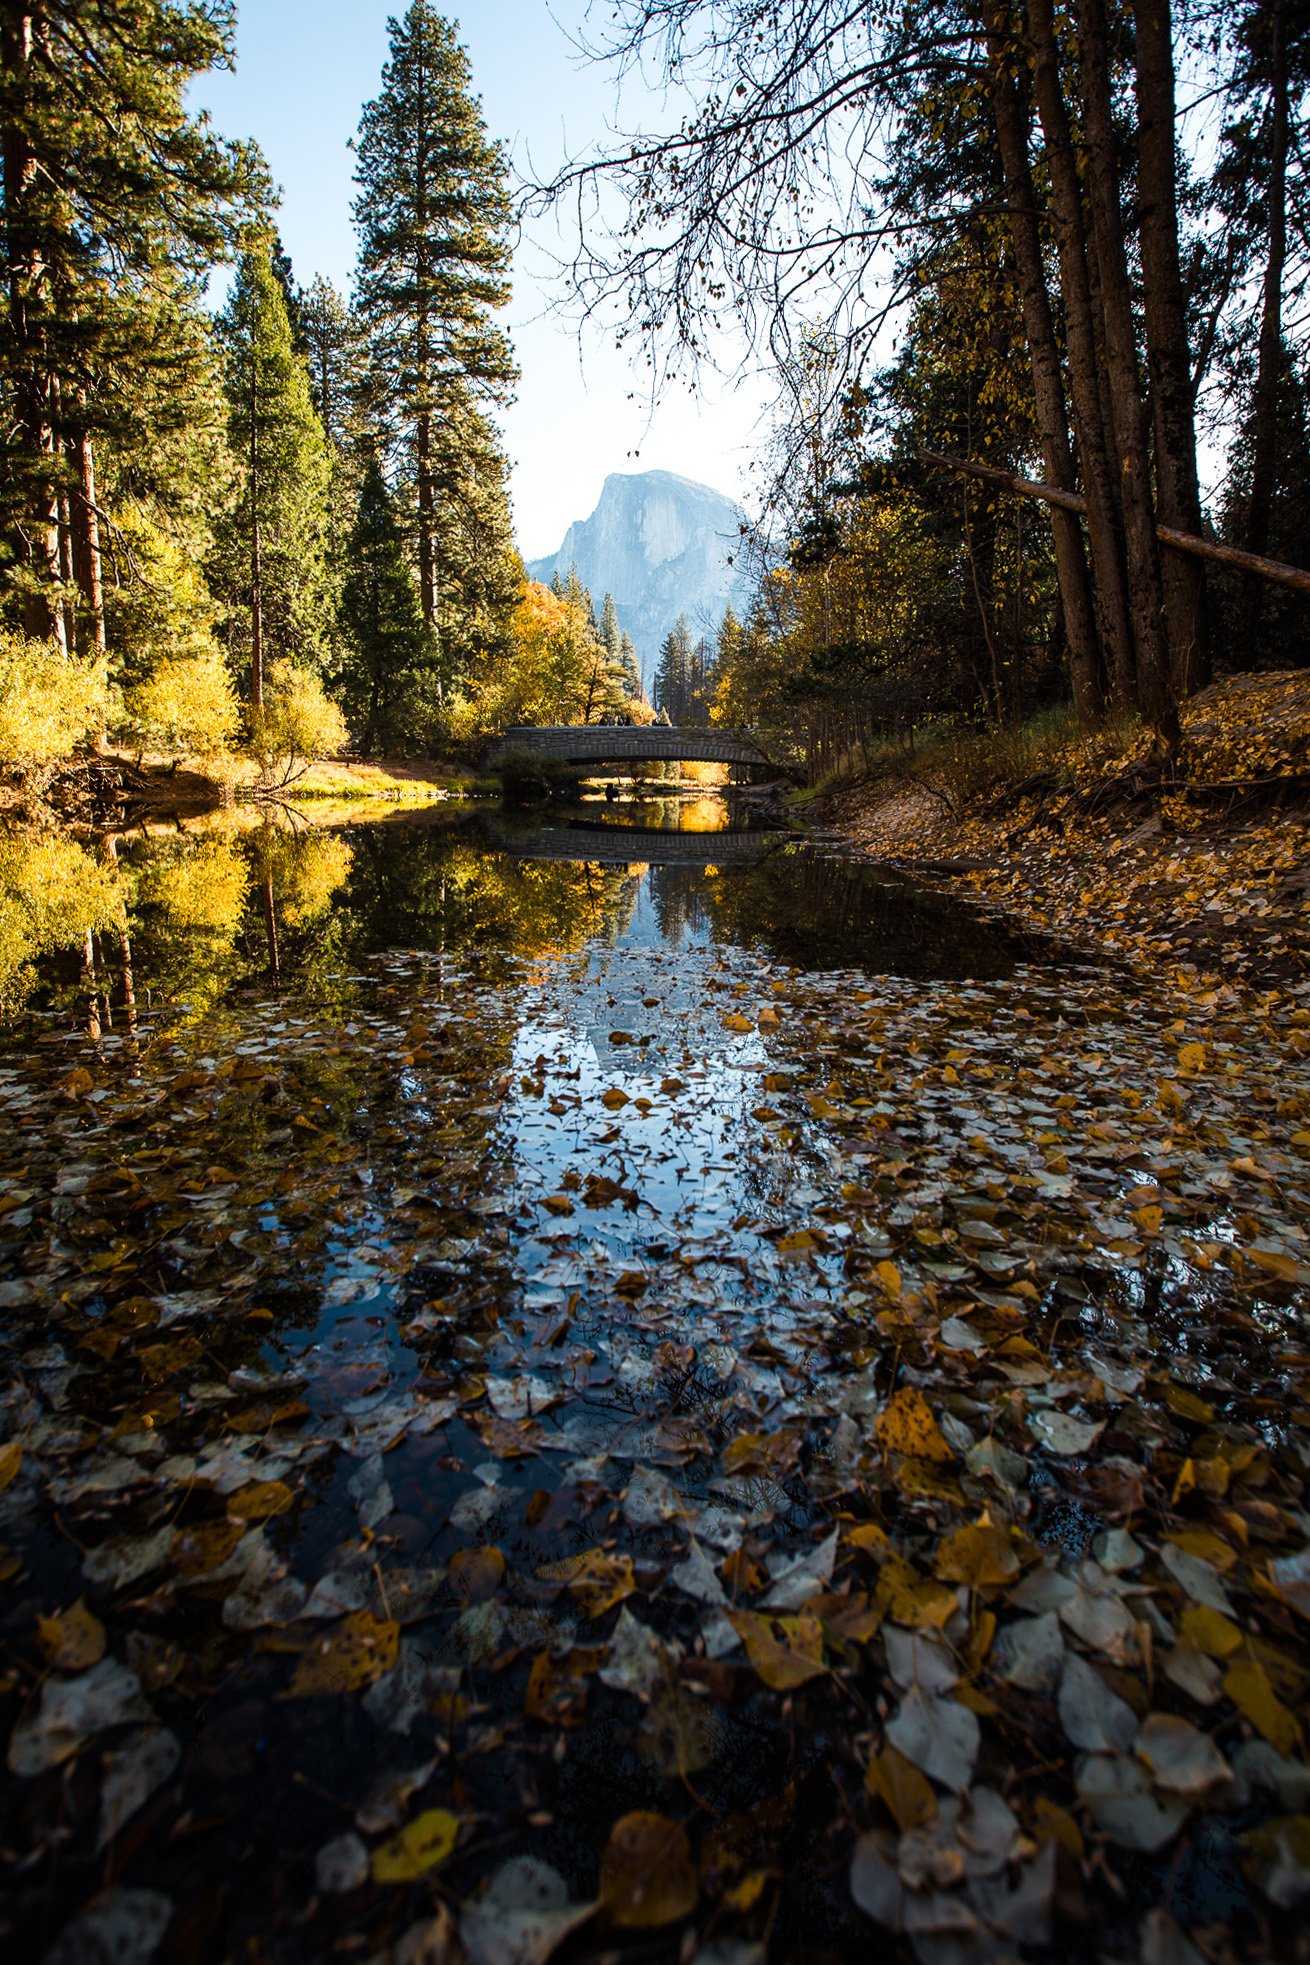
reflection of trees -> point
(826, 913)
(678, 894)
(452, 895)
(53, 895)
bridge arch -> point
(618, 743)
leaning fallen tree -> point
(1233, 557)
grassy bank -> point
(1202, 862)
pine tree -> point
(386, 641)
(675, 676)
(630, 667)
(433, 214)
(477, 574)
(271, 566)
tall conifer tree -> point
(433, 213)
(272, 563)
(386, 641)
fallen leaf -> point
(422, 1845)
(906, 1425)
(785, 1651)
(359, 1651)
(73, 1640)
(647, 1877)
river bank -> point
(1203, 871)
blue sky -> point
(304, 67)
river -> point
(623, 1381)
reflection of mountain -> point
(663, 546)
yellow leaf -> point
(734, 1022)
(596, 1581)
(1203, 1542)
(1275, 1262)
(1247, 1685)
(1187, 1405)
(417, 1848)
(1191, 1057)
(890, 1278)
(1210, 1631)
(74, 1640)
(360, 1650)
(909, 1796)
(785, 1651)
(799, 1242)
(258, 1500)
(647, 1877)
(979, 1555)
(11, 1459)
(907, 1426)
(558, 1204)
(614, 1099)
(1149, 1218)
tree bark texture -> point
(1011, 118)
(1094, 447)
(1145, 581)
(1168, 355)
(1264, 448)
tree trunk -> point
(1168, 355)
(1145, 581)
(1084, 363)
(1264, 448)
(1011, 118)
(427, 584)
(256, 553)
(87, 569)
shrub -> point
(187, 706)
(298, 723)
(50, 703)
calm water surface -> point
(374, 1196)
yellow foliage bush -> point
(187, 706)
(202, 890)
(50, 703)
(298, 723)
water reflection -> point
(176, 920)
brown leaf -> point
(73, 1640)
(476, 1574)
(647, 1877)
(785, 1651)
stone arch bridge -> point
(623, 743)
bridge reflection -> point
(620, 844)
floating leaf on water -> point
(119, 1927)
(475, 1575)
(647, 1877)
(11, 1459)
(910, 1798)
(523, 1915)
(341, 1865)
(1061, 1433)
(133, 1772)
(359, 1651)
(1181, 1758)
(595, 1581)
(1247, 1684)
(422, 1845)
(71, 1712)
(1116, 1791)
(257, 1501)
(1094, 1718)
(980, 1555)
